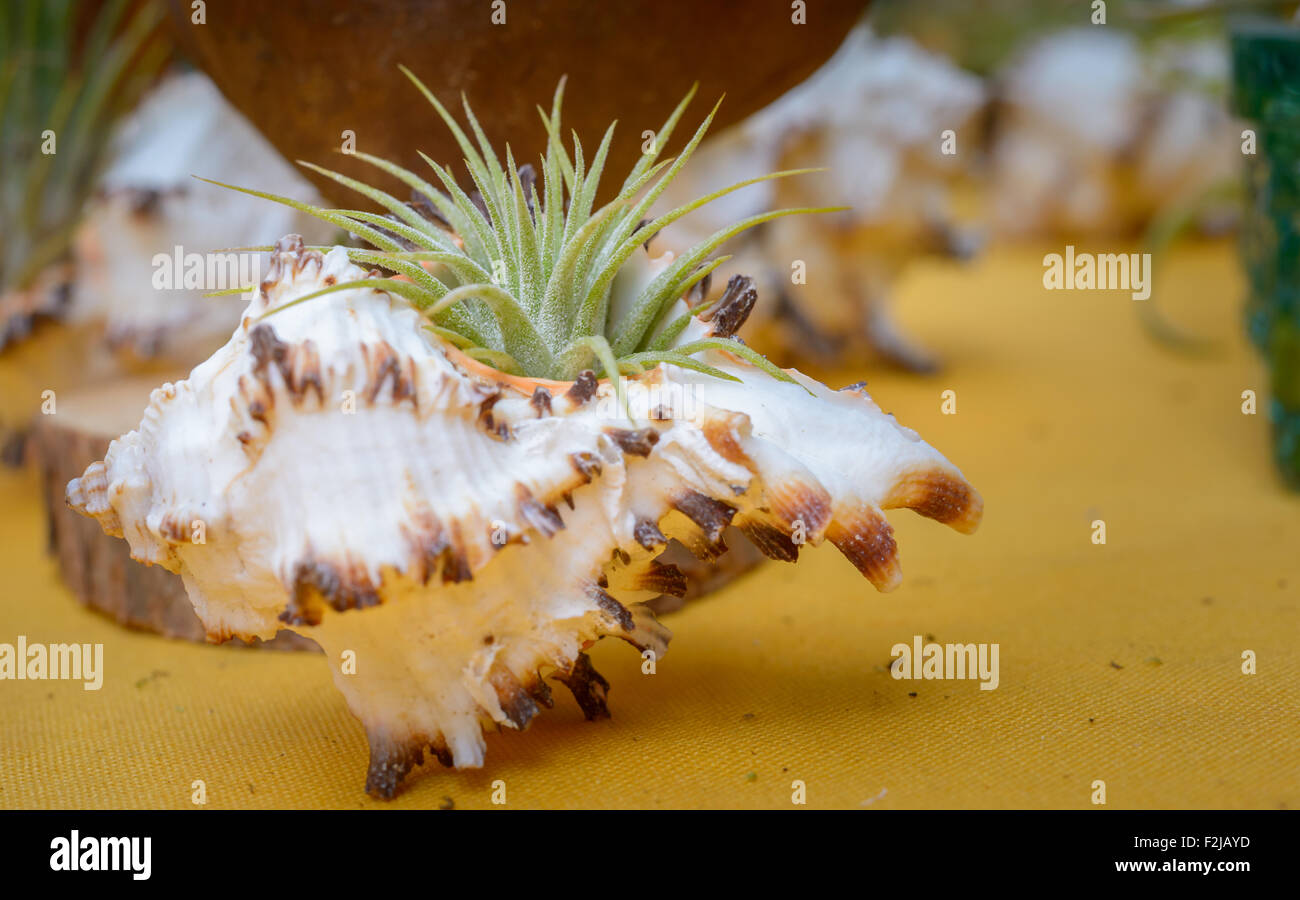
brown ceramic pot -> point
(304, 71)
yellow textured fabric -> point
(1119, 662)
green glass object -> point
(1266, 91)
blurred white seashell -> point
(874, 115)
(149, 248)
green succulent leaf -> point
(334, 217)
(637, 360)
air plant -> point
(525, 280)
(424, 474)
(59, 100)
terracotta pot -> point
(304, 71)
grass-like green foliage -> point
(49, 81)
(527, 287)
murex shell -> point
(339, 471)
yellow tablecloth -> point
(1119, 662)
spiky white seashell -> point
(463, 532)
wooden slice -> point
(99, 568)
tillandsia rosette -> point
(461, 481)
